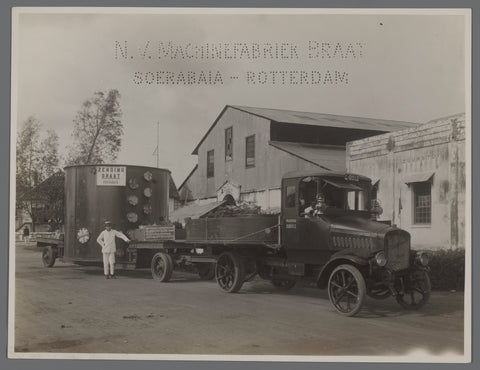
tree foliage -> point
(51, 193)
(98, 130)
(49, 156)
(27, 159)
(37, 159)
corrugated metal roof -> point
(314, 119)
(173, 191)
(329, 120)
(193, 210)
(188, 176)
(331, 158)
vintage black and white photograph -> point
(240, 184)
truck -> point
(326, 233)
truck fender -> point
(337, 260)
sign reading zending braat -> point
(111, 176)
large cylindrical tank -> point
(128, 196)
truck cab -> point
(329, 231)
(313, 202)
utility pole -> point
(157, 149)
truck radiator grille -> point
(397, 250)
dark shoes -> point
(113, 277)
(107, 276)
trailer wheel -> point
(230, 272)
(206, 271)
(48, 256)
(346, 290)
(283, 284)
(162, 267)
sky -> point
(388, 66)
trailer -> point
(326, 233)
(134, 199)
(52, 248)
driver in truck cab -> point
(310, 210)
(317, 207)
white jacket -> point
(107, 240)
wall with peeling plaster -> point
(392, 160)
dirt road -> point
(71, 308)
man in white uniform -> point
(107, 240)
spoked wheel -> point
(230, 272)
(379, 292)
(162, 267)
(346, 290)
(283, 284)
(415, 291)
(48, 256)
(206, 271)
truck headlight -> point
(380, 259)
(423, 258)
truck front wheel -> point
(230, 272)
(414, 291)
(346, 290)
(162, 267)
(48, 256)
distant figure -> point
(107, 240)
(26, 234)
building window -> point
(229, 144)
(210, 163)
(250, 151)
(422, 202)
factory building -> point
(419, 179)
(245, 152)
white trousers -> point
(109, 261)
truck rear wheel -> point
(230, 272)
(162, 267)
(346, 290)
(48, 256)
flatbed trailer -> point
(138, 255)
(52, 248)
